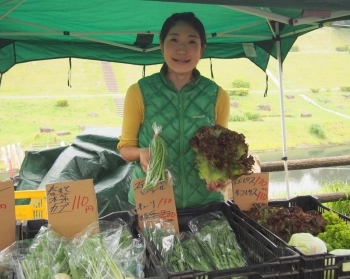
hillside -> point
(29, 93)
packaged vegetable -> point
(156, 171)
(307, 243)
(217, 240)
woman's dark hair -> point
(188, 18)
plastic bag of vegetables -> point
(307, 243)
(167, 243)
(44, 256)
(156, 172)
(217, 240)
(193, 255)
(6, 272)
(110, 253)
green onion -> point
(156, 167)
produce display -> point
(286, 221)
(209, 245)
(221, 153)
(103, 250)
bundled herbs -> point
(218, 241)
(194, 256)
(103, 250)
(156, 168)
(221, 153)
(286, 221)
(111, 253)
(42, 257)
(210, 245)
(167, 243)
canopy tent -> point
(126, 31)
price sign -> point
(250, 189)
(158, 203)
(71, 206)
(7, 214)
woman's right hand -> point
(144, 158)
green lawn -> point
(316, 65)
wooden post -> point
(306, 163)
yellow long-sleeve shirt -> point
(134, 114)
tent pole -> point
(284, 158)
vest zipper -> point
(184, 194)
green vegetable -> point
(194, 257)
(45, 256)
(221, 153)
(307, 243)
(169, 246)
(90, 259)
(337, 232)
(156, 167)
(219, 242)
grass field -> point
(316, 65)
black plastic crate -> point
(265, 259)
(323, 266)
(31, 227)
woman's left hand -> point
(216, 186)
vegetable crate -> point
(265, 260)
(31, 227)
(323, 266)
(36, 209)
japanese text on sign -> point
(158, 203)
(72, 206)
(250, 189)
(59, 200)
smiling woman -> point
(174, 98)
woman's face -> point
(182, 48)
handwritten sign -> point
(250, 189)
(71, 206)
(7, 214)
(158, 203)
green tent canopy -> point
(126, 31)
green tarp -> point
(92, 155)
(107, 30)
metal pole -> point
(284, 144)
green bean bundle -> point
(156, 167)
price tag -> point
(250, 189)
(7, 214)
(158, 203)
(71, 206)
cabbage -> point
(307, 243)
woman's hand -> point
(216, 186)
(144, 158)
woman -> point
(180, 100)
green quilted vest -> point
(180, 113)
